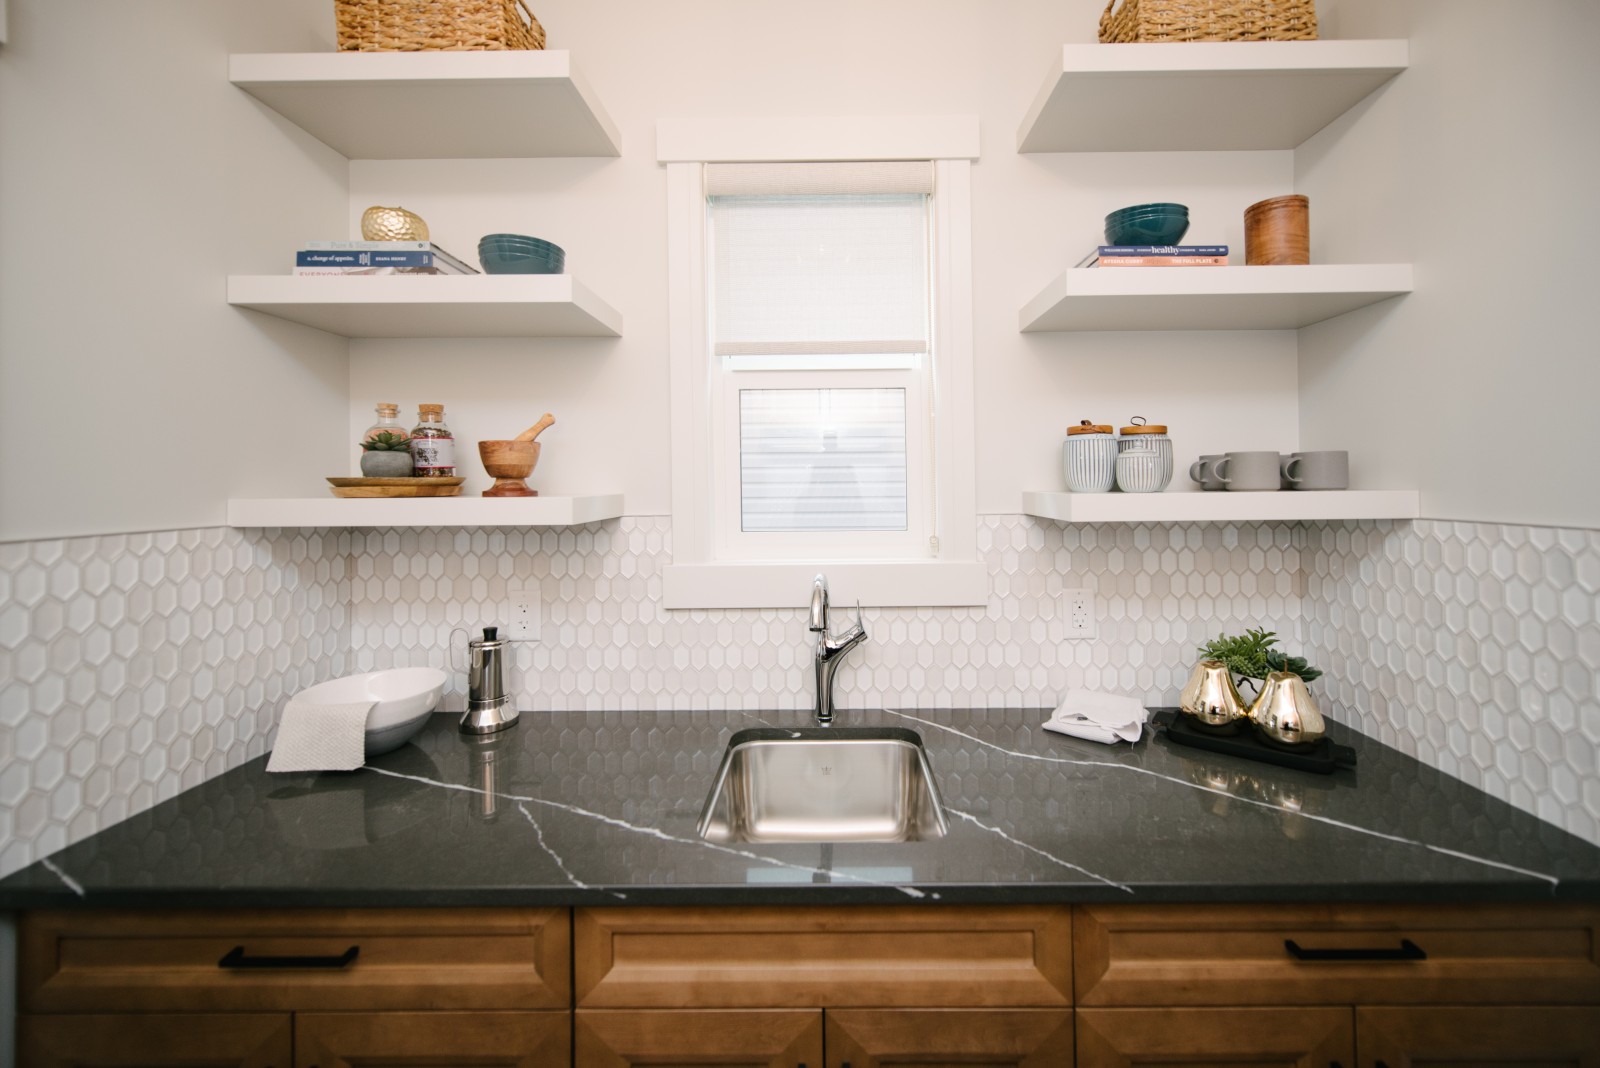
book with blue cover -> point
(1162, 250)
(443, 262)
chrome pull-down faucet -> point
(830, 648)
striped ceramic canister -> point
(1089, 458)
(1143, 435)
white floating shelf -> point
(1221, 506)
(448, 305)
(1210, 298)
(333, 511)
(433, 105)
(1202, 95)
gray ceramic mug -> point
(1326, 470)
(1203, 472)
(1252, 471)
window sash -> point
(732, 542)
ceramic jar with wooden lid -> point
(1089, 458)
(1140, 435)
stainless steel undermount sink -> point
(824, 784)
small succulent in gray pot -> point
(386, 455)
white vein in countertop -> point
(653, 832)
(1554, 881)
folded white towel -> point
(1099, 717)
(315, 737)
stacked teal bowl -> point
(519, 254)
(1147, 224)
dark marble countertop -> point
(600, 808)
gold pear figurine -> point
(1284, 711)
(1210, 696)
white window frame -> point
(701, 575)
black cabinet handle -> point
(235, 958)
(1408, 950)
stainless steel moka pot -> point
(489, 707)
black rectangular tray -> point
(1323, 756)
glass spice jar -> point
(433, 447)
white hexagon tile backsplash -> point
(1473, 646)
(133, 666)
(608, 643)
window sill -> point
(878, 584)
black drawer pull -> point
(235, 958)
(1408, 950)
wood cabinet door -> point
(246, 1040)
(432, 1039)
(914, 1038)
(1506, 1036)
(1318, 1037)
(1130, 955)
(735, 1038)
(355, 960)
(916, 956)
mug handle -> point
(1194, 471)
(1218, 467)
(1288, 469)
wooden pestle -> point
(545, 422)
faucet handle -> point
(859, 625)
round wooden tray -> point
(396, 487)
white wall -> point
(133, 179)
(1034, 216)
(1478, 164)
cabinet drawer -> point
(283, 960)
(195, 1040)
(1241, 954)
(793, 957)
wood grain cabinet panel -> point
(1319, 1037)
(935, 1038)
(441, 1039)
(195, 1040)
(728, 1038)
(923, 956)
(1459, 1037)
(470, 959)
(1238, 955)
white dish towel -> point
(314, 737)
(1099, 717)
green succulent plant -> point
(387, 441)
(1251, 656)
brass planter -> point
(1284, 711)
(1210, 696)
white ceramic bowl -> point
(405, 698)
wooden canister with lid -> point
(1278, 231)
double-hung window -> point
(821, 383)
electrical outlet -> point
(524, 613)
(1079, 613)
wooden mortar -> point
(509, 462)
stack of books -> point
(377, 257)
(1157, 256)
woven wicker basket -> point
(435, 25)
(1209, 20)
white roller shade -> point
(828, 258)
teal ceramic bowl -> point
(1148, 209)
(518, 254)
(1147, 224)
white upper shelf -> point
(1210, 298)
(1222, 506)
(249, 512)
(501, 305)
(1202, 95)
(433, 105)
